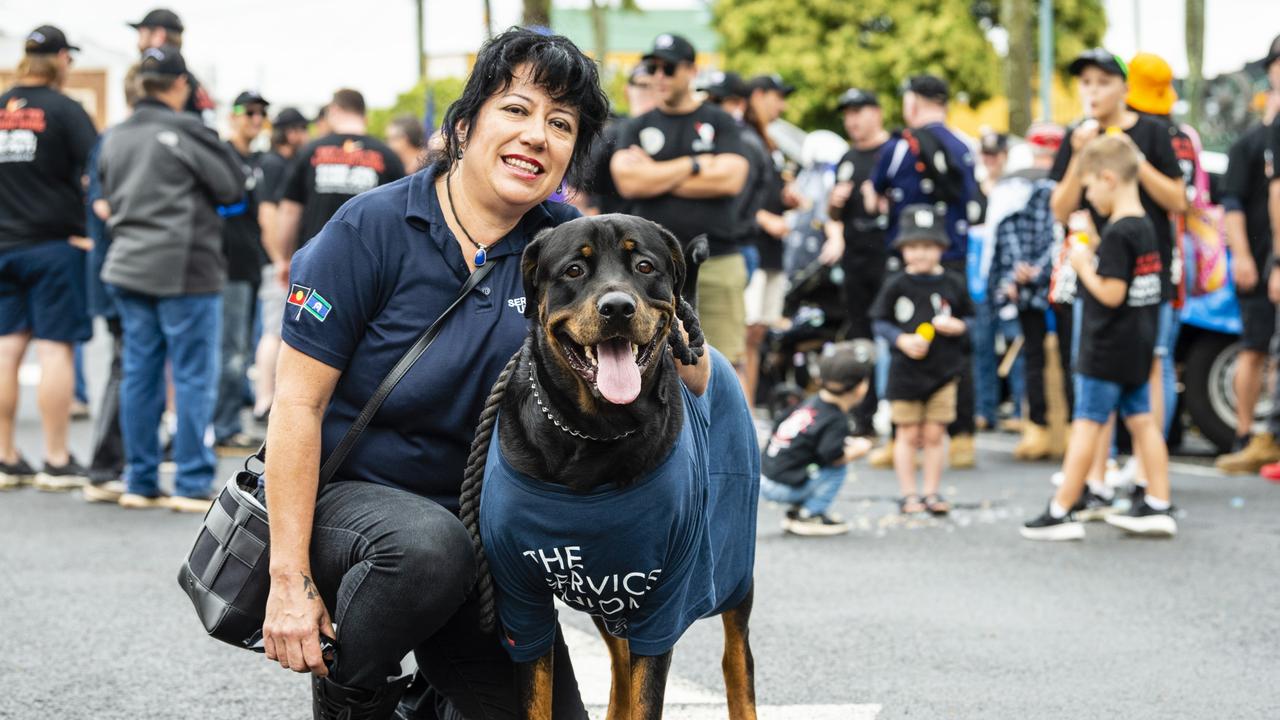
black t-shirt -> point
(772, 183)
(1116, 344)
(708, 129)
(1246, 188)
(332, 170)
(604, 194)
(200, 104)
(752, 198)
(863, 231)
(275, 171)
(1154, 138)
(813, 434)
(907, 301)
(241, 235)
(45, 139)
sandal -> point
(937, 505)
(910, 505)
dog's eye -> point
(644, 267)
(573, 271)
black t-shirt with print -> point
(708, 129)
(45, 139)
(1116, 344)
(332, 170)
(907, 301)
(863, 231)
(1154, 138)
(813, 434)
(241, 234)
(1245, 189)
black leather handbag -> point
(226, 574)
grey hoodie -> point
(164, 174)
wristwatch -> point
(696, 167)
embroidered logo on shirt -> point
(706, 141)
(652, 140)
(318, 306)
(517, 303)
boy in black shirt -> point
(803, 464)
(922, 314)
(1121, 292)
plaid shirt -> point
(1026, 236)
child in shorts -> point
(1119, 285)
(922, 314)
(804, 463)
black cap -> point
(930, 87)
(920, 222)
(160, 18)
(1104, 60)
(250, 97)
(671, 48)
(772, 81)
(721, 85)
(847, 364)
(47, 40)
(856, 98)
(1274, 54)
(163, 60)
(290, 117)
(994, 143)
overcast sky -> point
(299, 51)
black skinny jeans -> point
(1034, 329)
(396, 571)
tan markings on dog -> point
(540, 700)
(648, 686)
(620, 665)
(628, 244)
(738, 667)
(586, 251)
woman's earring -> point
(459, 154)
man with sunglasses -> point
(681, 164)
(242, 245)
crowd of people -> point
(954, 254)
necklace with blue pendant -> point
(482, 251)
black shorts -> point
(1257, 320)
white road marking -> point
(684, 699)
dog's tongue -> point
(617, 375)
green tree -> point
(414, 102)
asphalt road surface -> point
(956, 618)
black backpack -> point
(942, 177)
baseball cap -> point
(163, 60)
(1151, 85)
(1274, 54)
(920, 222)
(994, 143)
(847, 364)
(928, 86)
(160, 18)
(721, 85)
(1046, 135)
(857, 98)
(1102, 59)
(290, 117)
(671, 48)
(47, 40)
(249, 97)
(772, 81)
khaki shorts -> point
(939, 408)
(271, 301)
(722, 284)
(766, 294)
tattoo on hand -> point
(309, 586)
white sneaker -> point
(107, 492)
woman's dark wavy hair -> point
(557, 66)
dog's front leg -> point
(620, 665)
(738, 664)
(648, 685)
(534, 680)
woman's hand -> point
(296, 617)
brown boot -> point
(1261, 450)
(1035, 443)
(882, 457)
(963, 452)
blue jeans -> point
(1096, 399)
(237, 309)
(815, 495)
(186, 331)
(1166, 339)
(986, 379)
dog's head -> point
(604, 292)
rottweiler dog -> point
(622, 479)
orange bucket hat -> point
(1151, 85)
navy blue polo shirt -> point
(365, 288)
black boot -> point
(331, 701)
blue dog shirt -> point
(650, 558)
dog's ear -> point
(676, 254)
(529, 270)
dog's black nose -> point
(616, 304)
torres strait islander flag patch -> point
(318, 306)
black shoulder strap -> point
(334, 461)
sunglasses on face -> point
(250, 112)
(659, 66)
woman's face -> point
(521, 143)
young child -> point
(1120, 289)
(804, 463)
(921, 313)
